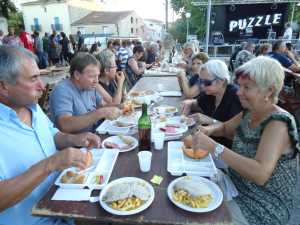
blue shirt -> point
(122, 57)
(284, 60)
(21, 148)
(67, 99)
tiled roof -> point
(154, 21)
(103, 17)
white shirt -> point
(288, 33)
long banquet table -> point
(162, 211)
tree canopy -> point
(7, 7)
(196, 21)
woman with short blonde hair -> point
(262, 162)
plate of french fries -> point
(126, 196)
(195, 194)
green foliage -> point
(296, 12)
(196, 22)
(7, 7)
(15, 20)
(178, 30)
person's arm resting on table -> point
(274, 141)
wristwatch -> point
(219, 149)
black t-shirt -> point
(228, 108)
(110, 88)
(193, 79)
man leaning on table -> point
(75, 104)
(29, 159)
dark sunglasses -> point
(206, 83)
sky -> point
(147, 9)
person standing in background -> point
(12, 39)
(46, 47)
(288, 33)
(26, 39)
(80, 40)
(1, 36)
(73, 44)
(65, 53)
(39, 50)
(122, 56)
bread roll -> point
(197, 154)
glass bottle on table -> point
(144, 130)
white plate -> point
(117, 140)
(182, 128)
(166, 110)
(179, 119)
(127, 121)
(119, 182)
(217, 195)
(145, 97)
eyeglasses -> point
(206, 83)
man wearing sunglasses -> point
(218, 100)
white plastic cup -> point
(159, 139)
(145, 160)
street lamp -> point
(187, 16)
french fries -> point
(183, 197)
(126, 204)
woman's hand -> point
(186, 106)
(207, 130)
(120, 78)
(202, 119)
(181, 75)
(202, 141)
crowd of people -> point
(252, 139)
(51, 49)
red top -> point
(26, 40)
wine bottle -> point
(144, 129)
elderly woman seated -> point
(188, 52)
(152, 54)
(110, 81)
(190, 87)
(218, 100)
(265, 142)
